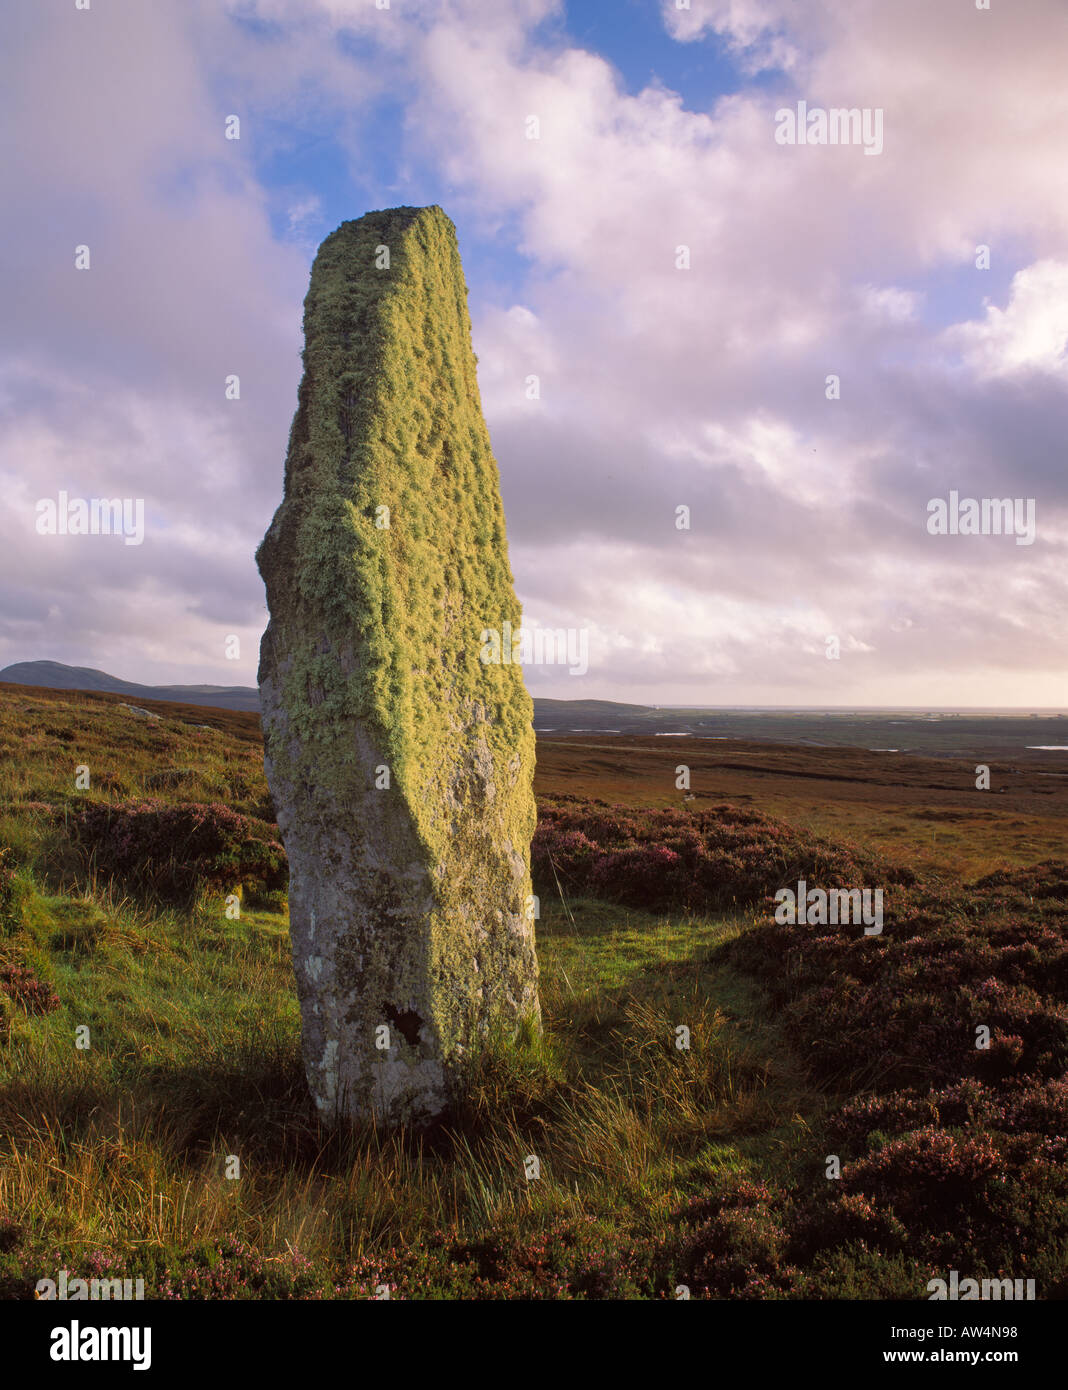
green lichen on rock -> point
(407, 903)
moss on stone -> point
(380, 629)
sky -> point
(805, 347)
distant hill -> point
(564, 715)
(1035, 738)
(53, 675)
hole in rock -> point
(408, 1023)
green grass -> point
(195, 1056)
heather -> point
(660, 1166)
(177, 851)
(722, 857)
(959, 1137)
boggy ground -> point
(812, 1049)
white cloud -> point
(751, 28)
(301, 214)
(1029, 334)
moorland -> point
(840, 1126)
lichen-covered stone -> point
(409, 902)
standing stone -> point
(400, 760)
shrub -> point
(685, 859)
(176, 851)
(955, 1146)
(21, 985)
(929, 1170)
(736, 1245)
(902, 1009)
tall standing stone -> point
(399, 760)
